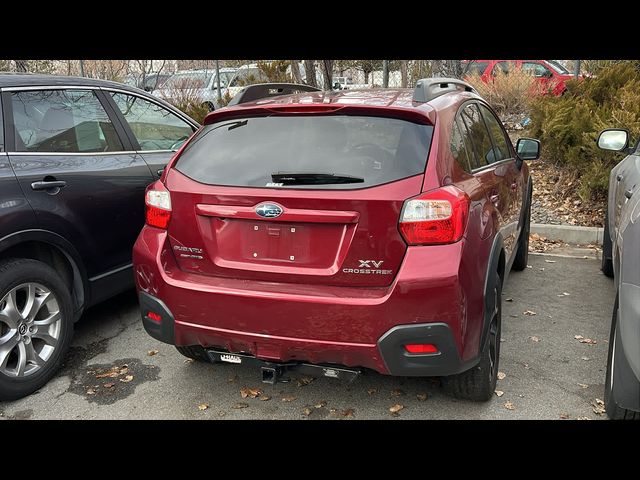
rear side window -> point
(62, 121)
(477, 68)
(504, 67)
(501, 150)
(258, 151)
(478, 135)
(460, 150)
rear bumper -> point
(278, 322)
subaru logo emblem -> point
(269, 210)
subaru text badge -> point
(269, 210)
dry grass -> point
(508, 93)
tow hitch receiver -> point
(272, 372)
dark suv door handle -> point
(619, 177)
(48, 185)
(628, 193)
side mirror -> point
(528, 148)
(615, 139)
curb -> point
(569, 233)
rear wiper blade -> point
(286, 178)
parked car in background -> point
(148, 83)
(331, 231)
(621, 260)
(201, 85)
(245, 75)
(551, 75)
(76, 155)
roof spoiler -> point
(266, 90)
(429, 88)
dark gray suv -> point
(76, 155)
(621, 259)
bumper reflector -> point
(421, 348)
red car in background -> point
(552, 75)
(330, 231)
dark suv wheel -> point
(36, 325)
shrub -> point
(568, 126)
(508, 93)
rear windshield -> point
(326, 152)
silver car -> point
(621, 259)
(196, 84)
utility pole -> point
(385, 73)
(218, 82)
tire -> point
(194, 352)
(607, 249)
(614, 411)
(522, 255)
(33, 341)
(479, 383)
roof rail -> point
(429, 88)
(265, 90)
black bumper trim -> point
(400, 362)
(163, 330)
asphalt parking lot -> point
(114, 370)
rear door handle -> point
(628, 193)
(619, 178)
(47, 185)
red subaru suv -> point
(337, 231)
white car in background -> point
(245, 75)
(201, 84)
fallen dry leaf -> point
(583, 418)
(348, 413)
(499, 393)
(421, 397)
(549, 261)
(153, 352)
(264, 398)
(306, 412)
(91, 391)
(109, 385)
(598, 407)
(250, 392)
(396, 408)
(110, 374)
(501, 375)
(509, 406)
(566, 294)
(564, 416)
(371, 391)
(303, 381)
(188, 360)
(321, 404)
(397, 392)
(578, 337)
(585, 358)
(529, 266)
(127, 379)
(240, 405)
(203, 406)
(588, 341)
(289, 398)
(529, 312)
(583, 385)
(534, 338)
(508, 299)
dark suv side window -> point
(69, 121)
(501, 147)
(478, 135)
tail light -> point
(436, 217)
(158, 203)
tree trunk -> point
(295, 71)
(310, 73)
(327, 73)
(404, 73)
(21, 66)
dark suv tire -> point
(36, 326)
(607, 249)
(619, 363)
(479, 382)
(522, 255)
(194, 352)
